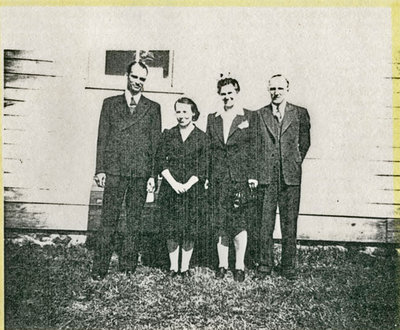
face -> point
(184, 114)
(136, 79)
(228, 95)
(278, 89)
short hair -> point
(140, 63)
(228, 81)
(193, 106)
(279, 75)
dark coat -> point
(288, 149)
(236, 158)
(127, 143)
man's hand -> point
(100, 179)
(253, 183)
(151, 186)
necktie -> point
(278, 114)
(132, 105)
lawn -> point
(50, 287)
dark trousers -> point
(288, 199)
(117, 188)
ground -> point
(49, 287)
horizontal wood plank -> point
(75, 217)
(28, 66)
(52, 216)
(29, 55)
(393, 230)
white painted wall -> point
(336, 61)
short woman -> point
(182, 161)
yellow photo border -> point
(394, 5)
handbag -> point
(242, 196)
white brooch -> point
(243, 124)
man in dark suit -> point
(129, 130)
(283, 140)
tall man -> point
(283, 142)
(129, 130)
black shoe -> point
(262, 273)
(289, 274)
(221, 272)
(127, 271)
(172, 273)
(239, 275)
(186, 274)
(98, 277)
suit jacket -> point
(236, 158)
(127, 143)
(286, 149)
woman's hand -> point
(179, 187)
(253, 183)
(192, 181)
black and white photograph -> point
(200, 167)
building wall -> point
(338, 62)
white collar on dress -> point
(235, 111)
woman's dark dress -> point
(181, 213)
(231, 165)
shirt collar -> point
(282, 107)
(128, 97)
(235, 111)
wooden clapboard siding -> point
(393, 229)
(310, 227)
(45, 216)
(349, 177)
(27, 75)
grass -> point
(50, 287)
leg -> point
(135, 199)
(223, 251)
(112, 203)
(240, 242)
(253, 233)
(187, 250)
(173, 250)
(289, 201)
(267, 212)
(220, 219)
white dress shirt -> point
(281, 108)
(128, 97)
(227, 118)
